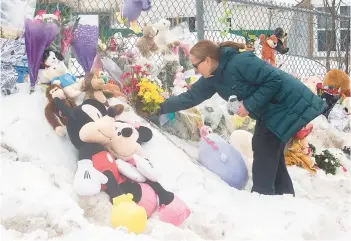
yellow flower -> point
(144, 79)
(193, 79)
(147, 97)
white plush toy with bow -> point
(179, 83)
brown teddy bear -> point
(336, 79)
(94, 89)
(108, 86)
(146, 44)
(268, 46)
(53, 115)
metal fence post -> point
(200, 19)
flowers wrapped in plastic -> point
(39, 33)
(67, 33)
(84, 45)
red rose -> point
(125, 75)
(137, 69)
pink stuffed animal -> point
(179, 83)
(312, 81)
(184, 47)
(133, 165)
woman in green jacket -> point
(280, 104)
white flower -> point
(326, 160)
(332, 162)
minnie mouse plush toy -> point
(91, 128)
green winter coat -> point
(280, 101)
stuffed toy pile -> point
(54, 71)
(112, 158)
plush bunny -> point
(179, 83)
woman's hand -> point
(242, 111)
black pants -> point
(269, 173)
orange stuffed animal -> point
(268, 46)
(336, 78)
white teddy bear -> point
(162, 38)
(165, 39)
(58, 74)
(179, 83)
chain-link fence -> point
(318, 38)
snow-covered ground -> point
(38, 203)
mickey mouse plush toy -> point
(91, 127)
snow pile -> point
(37, 168)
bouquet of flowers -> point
(149, 95)
(144, 94)
(39, 33)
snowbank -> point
(38, 203)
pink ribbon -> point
(211, 143)
(204, 132)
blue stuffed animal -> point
(220, 157)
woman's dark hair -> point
(208, 48)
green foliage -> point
(327, 162)
(313, 148)
(346, 150)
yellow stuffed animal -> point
(128, 214)
(299, 154)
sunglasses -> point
(197, 64)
